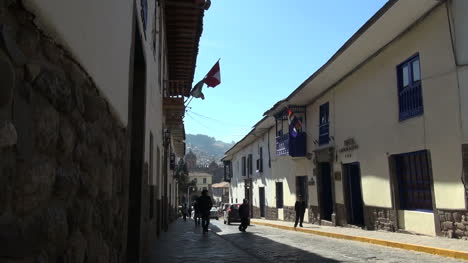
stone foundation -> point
(453, 224)
(314, 215)
(256, 212)
(289, 213)
(63, 194)
(377, 218)
(271, 213)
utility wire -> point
(219, 121)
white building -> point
(383, 139)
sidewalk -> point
(453, 248)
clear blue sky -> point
(267, 49)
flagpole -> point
(190, 100)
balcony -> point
(292, 146)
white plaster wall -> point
(418, 222)
(463, 85)
(98, 34)
(365, 107)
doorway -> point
(136, 124)
(326, 192)
(353, 194)
(261, 191)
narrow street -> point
(185, 243)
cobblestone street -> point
(186, 243)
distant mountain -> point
(206, 148)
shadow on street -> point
(185, 242)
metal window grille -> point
(410, 100)
(324, 125)
(414, 181)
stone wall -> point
(271, 213)
(289, 213)
(256, 212)
(62, 165)
(453, 224)
(314, 215)
(377, 218)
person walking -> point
(196, 214)
(184, 212)
(244, 214)
(204, 205)
(299, 207)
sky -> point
(267, 48)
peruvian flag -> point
(213, 78)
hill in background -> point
(206, 148)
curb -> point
(419, 248)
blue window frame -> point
(414, 181)
(324, 125)
(409, 88)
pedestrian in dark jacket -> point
(196, 214)
(244, 214)
(299, 207)
(204, 205)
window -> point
(414, 181)
(195, 180)
(324, 126)
(244, 167)
(204, 180)
(250, 164)
(409, 89)
(260, 161)
(279, 195)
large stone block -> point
(95, 107)
(447, 225)
(457, 217)
(34, 184)
(67, 182)
(76, 251)
(46, 126)
(66, 139)
(459, 233)
(460, 226)
(11, 238)
(106, 182)
(8, 135)
(8, 34)
(32, 70)
(56, 226)
(27, 40)
(7, 80)
(54, 86)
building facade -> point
(220, 193)
(96, 125)
(376, 137)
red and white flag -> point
(213, 78)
